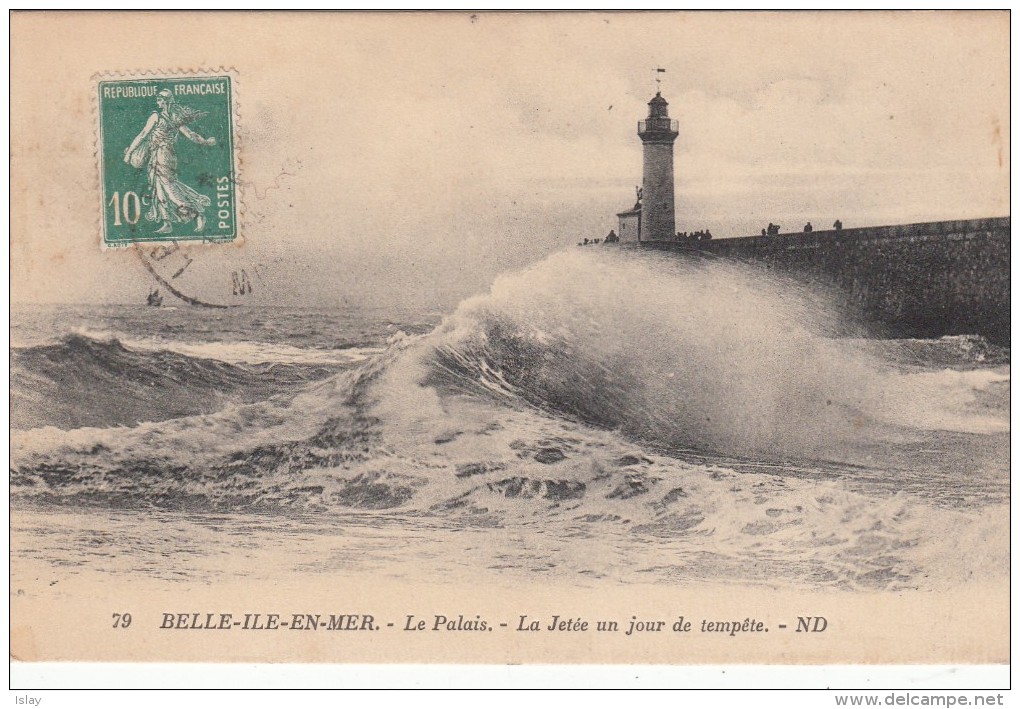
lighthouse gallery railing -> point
(658, 124)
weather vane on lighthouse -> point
(658, 79)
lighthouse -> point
(657, 133)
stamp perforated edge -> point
(235, 120)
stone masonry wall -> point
(911, 280)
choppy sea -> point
(600, 418)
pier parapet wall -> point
(910, 280)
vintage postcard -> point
(510, 338)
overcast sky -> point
(399, 158)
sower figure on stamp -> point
(170, 200)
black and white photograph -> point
(662, 338)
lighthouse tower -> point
(657, 132)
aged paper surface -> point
(408, 416)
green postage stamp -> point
(167, 164)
